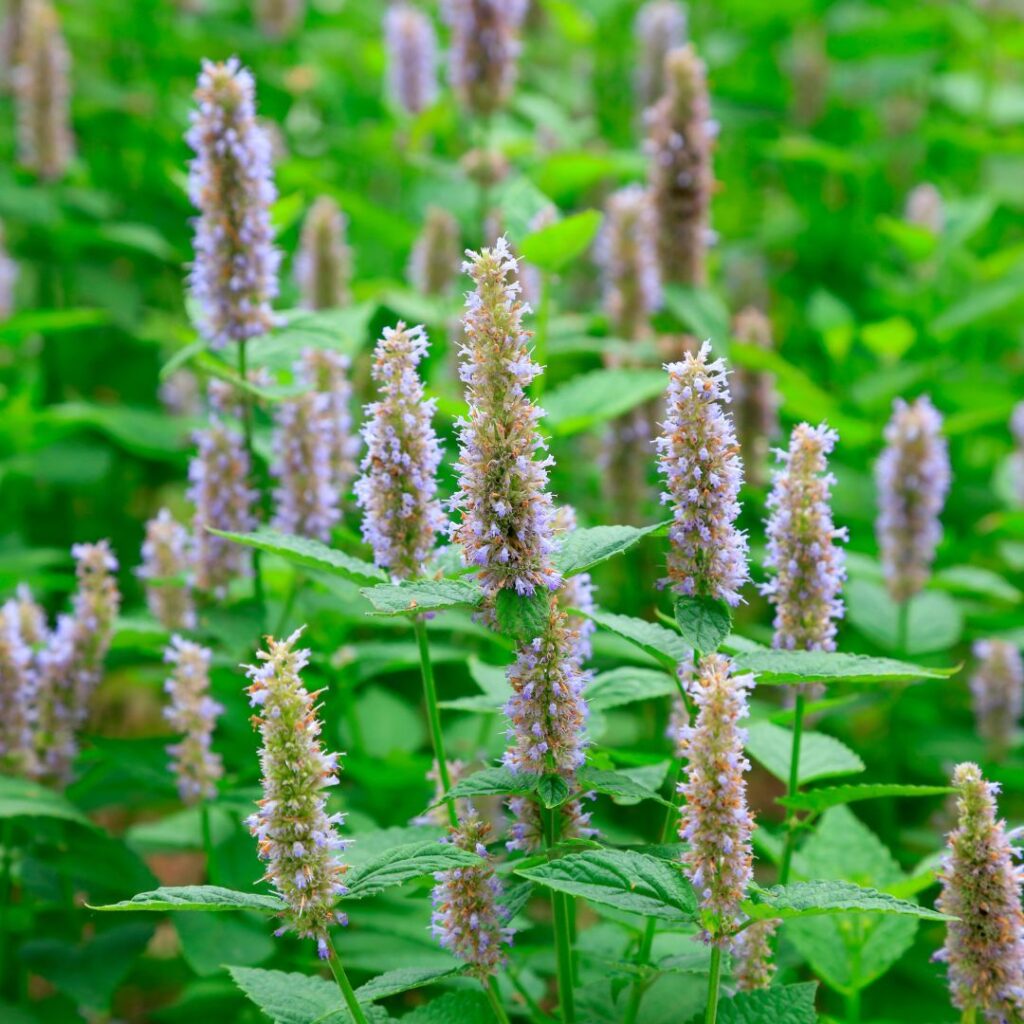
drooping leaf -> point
(553, 790)
(391, 983)
(664, 645)
(208, 941)
(703, 621)
(523, 616)
(197, 897)
(496, 781)
(619, 786)
(596, 397)
(586, 547)
(627, 685)
(780, 1004)
(403, 863)
(292, 998)
(555, 246)
(821, 756)
(934, 622)
(411, 596)
(817, 800)
(22, 798)
(825, 896)
(781, 667)
(469, 1007)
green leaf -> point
(210, 940)
(292, 998)
(402, 863)
(197, 897)
(52, 321)
(553, 790)
(619, 786)
(821, 756)
(972, 579)
(934, 622)
(338, 330)
(780, 1004)
(519, 201)
(780, 667)
(826, 896)
(411, 596)
(621, 879)
(468, 1007)
(664, 645)
(403, 979)
(497, 781)
(701, 311)
(703, 621)
(523, 617)
(628, 685)
(593, 398)
(554, 247)
(310, 554)
(817, 800)
(586, 547)
(144, 432)
(20, 798)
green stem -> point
(970, 1015)
(853, 1007)
(794, 786)
(346, 987)
(289, 603)
(536, 1013)
(714, 984)
(563, 947)
(494, 997)
(902, 628)
(243, 373)
(434, 715)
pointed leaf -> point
(780, 1004)
(402, 979)
(780, 667)
(619, 786)
(553, 247)
(817, 800)
(402, 863)
(627, 685)
(821, 756)
(553, 790)
(20, 798)
(824, 896)
(703, 621)
(197, 897)
(664, 645)
(523, 617)
(586, 547)
(597, 397)
(411, 596)
(496, 781)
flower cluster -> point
(166, 570)
(660, 26)
(41, 78)
(679, 142)
(278, 18)
(925, 208)
(435, 258)
(716, 822)
(297, 837)
(576, 592)
(699, 458)
(981, 889)
(412, 58)
(806, 565)
(912, 476)
(234, 277)
(505, 528)
(327, 372)
(755, 401)
(222, 498)
(194, 713)
(8, 279)
(997, 687)
(323, 264)
(751, 951)
(398, 486)
(1017, 430)
(17, 695)
(468, 916)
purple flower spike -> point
(412, 58)
(323, 264)
(17, 696)
(166, 568)
(997, 688)
(751, 951)
(660, 26)
(436, 256)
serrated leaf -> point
(402, 863)
(584, 548)
(292, 998)
(782, 667)
(627, 685)
(821, 756)
(553, 790)
(619, 786)
(391, 983)
(210, 940)
(310, 554)
(411, 596)
(598, 397)
(197, 897)
(703, 621)
(700, 310)
(523, 617)
(468, 1007)
(338, 330)
(555, 246)
(817, 800)
(934, 622)
(20, 798)
(664, 645)
(497, 781)
(621, 879)
(828, 896)
(780, 1004)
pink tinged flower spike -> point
(323, 264)
(298, 840)
(925, 208)
(397, 491)
(997, 689)
(279, 18)
(194, 713)
(805, 565)
(8, 279)
(506, 513)
(982, 889)
(660, 26)
(17, 696)
(680, 137)
(222, 498)
(755, 399)
(436, 256)
(752, 966)
(716, 822)
(698, 456)
(412, 58)
(166, 569)
(913, 477)
(234, 276)
(1017, 430)
(468, 915)
(576, 592)
(327, 373)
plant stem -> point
(714, 984)
(563, 947)
(902, 628)
(491, 988)
(794, 786)
(970, 1015)
(346, 987)
(853, 1007)
(434, 715)
(243, 373)
(207, 832)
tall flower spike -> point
(8, 279)
(397, 491)
(981, 888)
(412, 58)
(484, 51)
(755, 400)
(221, 496)
(716, 821)
(1017, 430)
(660, 26)
(912, 476)
(323, 264)
(752, 966)
(699, 458)
(42, 89)
(194, 713)
(505, 527)
(234, 276)
(997, 688)
(435, 259)
(679, 142)
(166, 569)
(467, 918)
(576, 592)
(279, 18)
(925, 208)
(17, 696)
(12, 27)
(297, 837)
(327, 372)
(806, 565)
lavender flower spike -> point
(912, 476)
(220, 493)
(166, 569)
(1017, 458)
(505, 528)
(755, 400)
(234, 276)
(435, 258)
(660, 26)
(17, 696)
(323, 264)
(412, 58)
(982, 888)
(716, 821)
(997, 687)
(398, 488)
(8, 279)
(327, 372)
(807, 568)
(752, 966)
(297, 837)
(193, 712)
(699, 458)
(467, 918)
(278, 18)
